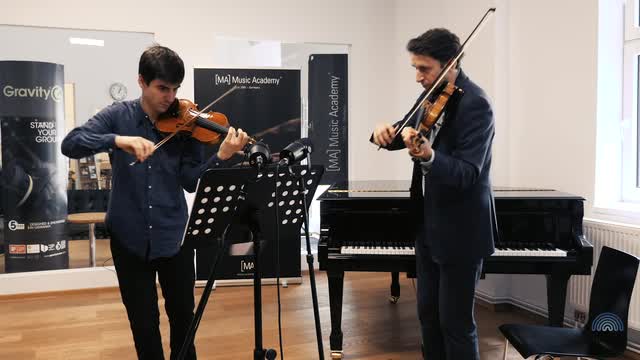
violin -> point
(432, 112)
(183, 116)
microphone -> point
(296, 151)
(259, 154)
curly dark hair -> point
(159, 62)
(440, 44)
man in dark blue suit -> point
(454, 203)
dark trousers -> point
(137, 279)
(445, 307)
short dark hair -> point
(159, 62)
(440, 44)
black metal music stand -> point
(225, 197)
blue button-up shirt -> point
(147, 210)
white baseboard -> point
(57, 280)
(284, 282)
(98, 277)
(90, 278)
(532, 308)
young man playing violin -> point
(147, 210)
(454, 202)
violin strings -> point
(195, 116)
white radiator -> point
(618, 236)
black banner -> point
(328, 116)
(266, 105)
(34, 175)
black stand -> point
(242, 196)
(312, 277)
(259, 352)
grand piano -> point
(364, 226)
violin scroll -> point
(414, 141)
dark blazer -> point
(457, 206)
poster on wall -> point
(328, 115)
(265, 104)
(34, 172)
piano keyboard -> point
(530, 252)
(410, 251)
(378, 250)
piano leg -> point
(556, 297)
(336, 282)
(395, 287)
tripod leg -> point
(336, 283)
(312, 277)
(258, 351)
(202, 304)
(395, 287)
(316, 311)
(270, 354)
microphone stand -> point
(312, 278)
(258, 153)
(259, 352)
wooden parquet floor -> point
(92, 324)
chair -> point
(604, 335)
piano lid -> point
(384, 189)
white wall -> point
(91, 81)
(545, 134)
(190, 27)
(552, 86)
(536, 59)
(553, 94)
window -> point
(630, 104)
(617, 180)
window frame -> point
(629, 131)
(630, 166)
(631, 20)
(616, 196)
